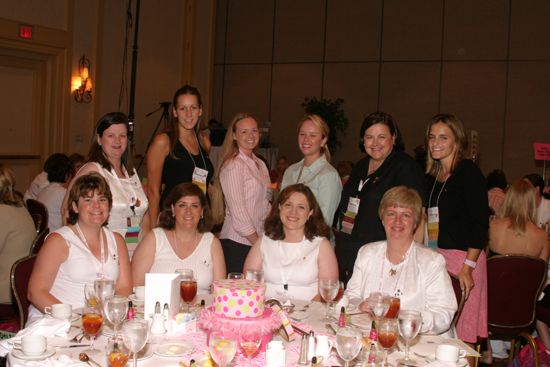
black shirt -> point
(463, 207)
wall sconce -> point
(82, 84)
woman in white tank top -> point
(294, 252)
(182, 240)
(80, 252)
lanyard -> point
(200, 152)
(82, 238)
(440, 190)
(133, 199)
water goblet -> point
(222, 347)
(409, 326)
(135, 334)
(250, 340)
(185, 273)
(328, 289)
(117, 352)
(387, 336)
(254, 274)
(348, 343)
(92, 320)
(116, 309)
(379, 304)
(235, 275)
(89, 295)
(104, 288)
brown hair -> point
(173, 130)
(8, 195)
(461, 140)
(315, 225)
(96, 153)
(325, 131)
(519, 205)
(402, 197)
(86, 185)
(166, 218)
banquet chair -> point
(19, 276)
(38, 241)
(36, 208)
(514, 283)
(459, 294)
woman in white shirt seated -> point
(181, 240)
(294, 252)
(403, 268)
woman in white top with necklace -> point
(110, 156)
(80, 252)
(294, 252)
(403, 268)
(315, 170)
(182, 240)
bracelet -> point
(470, 263)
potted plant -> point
(333, 113)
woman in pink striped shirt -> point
(246, 187)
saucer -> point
(50, 351)
(174, 349)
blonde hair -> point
(457, 128)
(402, 197)
(228, 151)
(519, 205)
(8, 195)
(325, 130)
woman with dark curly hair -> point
(182, 240)
(294, 252)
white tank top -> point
(293, 265)
(166, 260)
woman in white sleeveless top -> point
(294, 252)
(182, 240)
(110, 157)
(80, 252)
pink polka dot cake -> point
(238, 298)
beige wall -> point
(486, 61)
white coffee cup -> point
(449, 353)
(31, 345)
(323, 346)
(139, 292)
(61, 311)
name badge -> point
(433, 226)
(348, 219)
(199, 178)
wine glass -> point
(104, 288)
(328, 289)
(348, 343)
(409, 326)
(92, 319)
(387, 336)
(254, 274)
(222, 347)
(250, 340)
(117, 352)
(379, 304)
(135, 335)
(235, 275)
(89, 295)
(116, 309)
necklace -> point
(393, 270)
(100, 273)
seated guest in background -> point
(516, 233)
(60, 172)
(543, 204)
(80, 252)
(276, 175)
(344, 169)
(182, 240)
(17, 232)
(315, 170)
(78, 160)
(403, 268)
(40, 181)
(496, 186)
(294, 252)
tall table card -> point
(162, 288)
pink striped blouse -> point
(247, 190)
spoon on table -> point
(85, 358)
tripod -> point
(165, 106)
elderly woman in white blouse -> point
(403, 268)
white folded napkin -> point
(55, 361)
(46, 326)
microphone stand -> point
(165, 106)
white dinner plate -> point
(50, 351)
(462, 362)
(145, 352)
(298, 315)
(178, 349)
